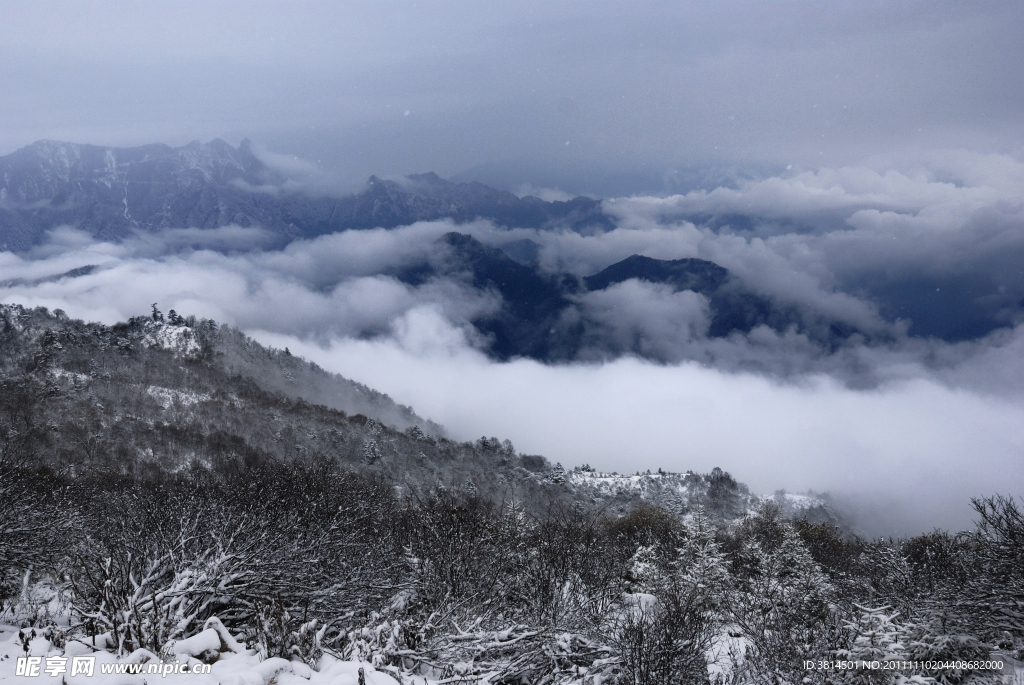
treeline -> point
(310, 556)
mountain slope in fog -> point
(552, 316)
(165, 393)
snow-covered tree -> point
(642, 572)
(876, 636)
(782, 603)
(371, 452)
(996, 590)
(929, 639)
(701, 564)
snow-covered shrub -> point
(32, 508)
(145, 603)
(278, 634)
(930, 640)
(938, 561)
(996, 588)
(875, 636)
(458, 538)
(162, 562)
(386, 641)
(662, 639)
(569, 571)
(890, 577)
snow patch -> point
(169, 398)
(613, 485)
(179, 339)
(73, 376)
(232, 664)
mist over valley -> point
(818, 318)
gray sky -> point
(605, 96)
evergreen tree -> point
(876, 636)
(701, 565)
(931, 640)
(643, 574)
(782, 604)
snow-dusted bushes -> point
(36, 514)
(663, 638)
(461, 540)
(304, 559)
(570, 569)
(257, 549)
(781, 601)
(189, 560)
(997, 586)
(931, 640)
(277, 634)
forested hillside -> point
(166, 477)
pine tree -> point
(781, 603)
(371, 452)
(643, 574)
(930, 640)
(701, 564)
(876, 636)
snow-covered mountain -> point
(172, 491)
(111, 192)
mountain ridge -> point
(168, 393)
(111, 192)
(544, 315)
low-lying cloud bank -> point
(924, 409)
(919, 449)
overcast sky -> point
(606, 97)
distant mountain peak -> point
(698, 275)
(112, 192)
(430, 177)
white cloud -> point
(546, 194)
(330, 286)
(919, 443)
(637, 317)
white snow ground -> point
(232, 664)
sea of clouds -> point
(905, 424)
